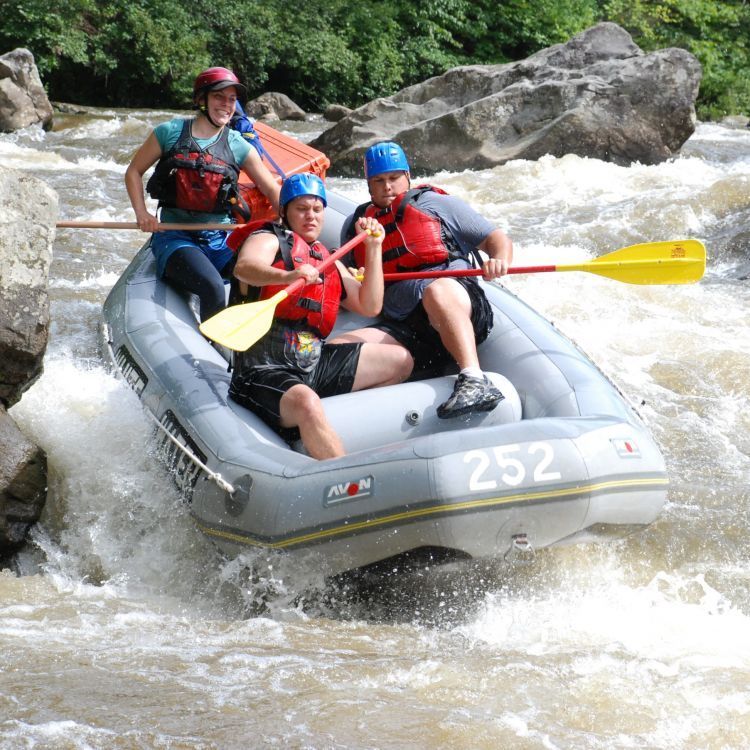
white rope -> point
(212, 475)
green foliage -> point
(516, 29)
(244, 38)
(351, 51)
(167, 62)
(717, 33)
(318, 63)
(127, 52)
(52, 37)
(147, 52)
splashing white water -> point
(639, 644)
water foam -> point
(113, 514)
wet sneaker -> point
(492, 395)
(470, 394)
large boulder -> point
(28, 212)
(336, 112)
(599, 95)
(274, 106)
(23, 101)
(23, 485)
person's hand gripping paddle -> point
(670, 262)
(238, 327)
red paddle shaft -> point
(448, 272)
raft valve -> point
(520, 551)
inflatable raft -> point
(563, 459)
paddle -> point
(238, 327)
(133, 225)
(669, 262)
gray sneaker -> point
(492, 395)
(470, 394)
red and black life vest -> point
(413, 239)
(315, 304)
(195, 179)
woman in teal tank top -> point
(197, 260)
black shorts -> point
(260, 388)
(423, 341)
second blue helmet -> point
(301, 184)
(386, 156)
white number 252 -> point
(513, 470)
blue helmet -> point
(386, 156)
(301, 184)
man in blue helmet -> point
(438, 320)
(284, 375)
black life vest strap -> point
(411, 197)
(219, 149)
(286, 242)
(285, 248)
(394, 253)
(359, 212)
(309, 304)
(185, 138)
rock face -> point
(336, 112)
(28, 212)
(25, 257)
(23, 485)
(599, 95)
(23, 101)
(274, 106)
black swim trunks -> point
(285, 357)
(423, 341)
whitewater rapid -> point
(121, 626)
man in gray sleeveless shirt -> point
(438, 320)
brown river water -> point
(122, 626)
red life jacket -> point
(236, 238)
(195, 179)
(413, 238)
(315, 304)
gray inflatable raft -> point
(562, 459)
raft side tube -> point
(379, 416)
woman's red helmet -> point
(215, 79)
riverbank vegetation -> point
(146, 52)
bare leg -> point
(448, 307)
(382, 364)
(382, 361)
(301, 407)
(367, 335)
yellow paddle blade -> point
(238, 327)
(670, 262)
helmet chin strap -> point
(203, 109)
